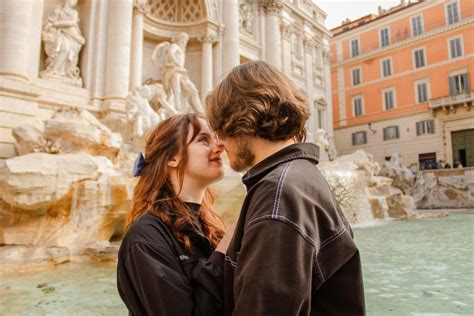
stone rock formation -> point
(78, 195)
(362, 195)
(403, 178)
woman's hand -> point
(225, 241)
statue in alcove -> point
(170, 58)
(62, 43)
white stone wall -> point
(409, 145)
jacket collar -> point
(307, 151)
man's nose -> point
(219, 145)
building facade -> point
(115, 39)
(401, 83)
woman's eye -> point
(204, 139)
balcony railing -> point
(452, 100)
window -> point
(425, 127)
(427, 161)
(390, 132)
(355, 47)
(386, 67)
(421, 88)
(416, 25)
(359, 138)
(356, 77)
(388, 98)
(358, 106)
(459, 84)
(384, 37)
(455, 47)
(452, 13)
(419, 58)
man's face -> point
(239, 151)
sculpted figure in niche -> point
(170, 58)
(62, 42)
(146, 107)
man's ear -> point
(174, 161)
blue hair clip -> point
(138, 165)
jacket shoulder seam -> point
(289, 222)
(281, 179)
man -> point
(292, 252)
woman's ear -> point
(174, 161)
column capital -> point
(272, 6)
(286, 29)
(208, 37)
(141, 6)
(309, 42)
(326, 55)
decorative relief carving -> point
(177, 10)
(63, 41)
(246, 17)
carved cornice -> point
(142, 6)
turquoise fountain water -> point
(422, 267)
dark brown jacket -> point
(292, 252)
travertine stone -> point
(24, 258)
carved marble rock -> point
(362, 195)
(63, 41)
(170, 59)
(403, 178)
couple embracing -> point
(291, 252)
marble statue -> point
(62, 42)
(142, 115)
(170, 58)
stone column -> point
(231, 45)
(207, 40)
(309, 45)
(272, 32)
(20, 29)
(136, 62)
(119, 35)
(327, 89)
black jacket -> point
(157, 276)
(292, 252)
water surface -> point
(422, 267)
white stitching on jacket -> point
(276, 203)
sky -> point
(339, 10)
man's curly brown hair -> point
(256, 99)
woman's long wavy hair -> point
(154, 192)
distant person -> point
(457, 164)
(293, 251)
(167, 263)
(447, 166)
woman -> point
(166, 263)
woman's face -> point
(204, 165)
